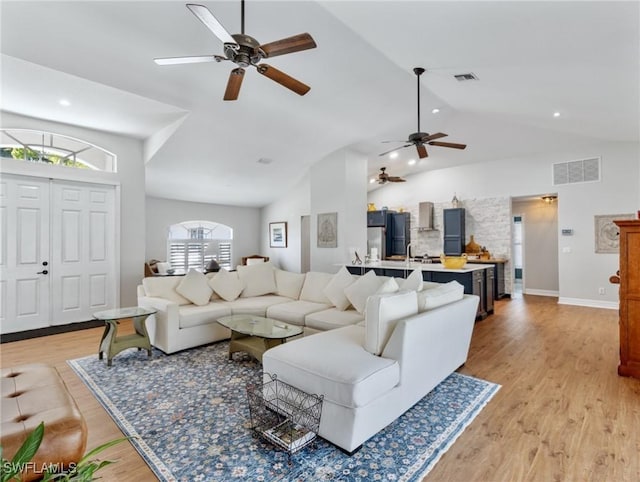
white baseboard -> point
(609, 305)
(541, 292)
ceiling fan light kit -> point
(419, 139)
(245, 51)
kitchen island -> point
(477, 279)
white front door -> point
(83, 250)
(24, 253)
(57, 252)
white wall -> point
(162, 213)
(339, 184)
(130, 177)
(540, 255)
(289, 208)
(581, 271)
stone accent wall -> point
(488, 220)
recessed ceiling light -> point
(411, 162)
(64, 102)
(556, 114)
(435, 111)
(393, 155)
(372, 180)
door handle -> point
(43, 272)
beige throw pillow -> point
(444, 294)
(195, 287)
(289, 284)
(164, 287)
(413, 282)
(335, 289)
(227, 285)
(258, 279)
(358, 291)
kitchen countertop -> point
(415, 265)
(488, 261)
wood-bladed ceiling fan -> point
(243, 50)
(419, 139)
(384, 178)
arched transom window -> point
(47, 148)
(192, 244)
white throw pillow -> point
(227, 285)
(413, 282)
(258, 279)
(388, 286)
(164, 287)
(314, 284)
(444, 294)
(214, 295)
(335, 289)
(358, 291)
(162, 267)
(195, 287)
(383, 313)
(289, 284)
(251, 261)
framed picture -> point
(278, 235)
(606, 232)
(328, 230)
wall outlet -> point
(601, 291)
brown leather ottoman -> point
(32, 394)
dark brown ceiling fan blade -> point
(396, 179)
(288, 45)
(397, 148)
(422, 151)
(431, 137)
(233, 84)
(283, 79)
(448, 144)
(212, 23)
(194, 59)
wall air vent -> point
(573, 172)
(463, 77)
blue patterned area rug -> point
(189, 414)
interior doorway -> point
(305, 244)
(518, 254)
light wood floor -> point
(562, 414)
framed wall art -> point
(328, 230)
(278, 235)
(607, 234)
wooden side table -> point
(111, 343)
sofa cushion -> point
(413, 282)
(361, 289)
(442, 295)
(289, 284)
(335, 289)
(350, 376)
(195, 287)
(332, 318)
(255, 306)
(383, 312)
(313, 287)
(227, 284)
(164, 287)
(294, 312)
(214, 295)
(193, 315)
(388, 286)
(258, 279)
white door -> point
(24, 253)
(83, 250)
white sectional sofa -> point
(372, 372)
(188, 307)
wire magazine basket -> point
(283, 414)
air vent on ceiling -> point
(463, 77)
(572, 172)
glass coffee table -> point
(256, 334)
(111, 343)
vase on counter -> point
(472, 247)
(371, 206)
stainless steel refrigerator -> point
(376, 238)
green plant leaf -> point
(24, 454)
(99, 449)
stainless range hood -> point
(425, 216)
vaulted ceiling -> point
(581, 59)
